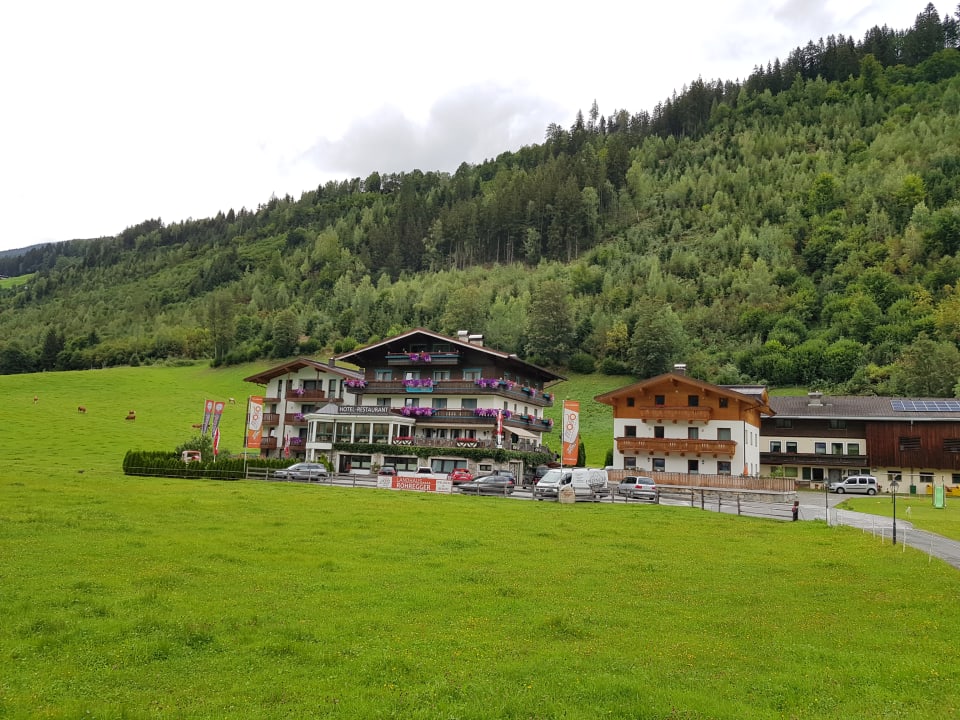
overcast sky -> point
(115, 112)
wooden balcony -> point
(403, 445)
(662, 413)
(292, 419)
(462, 387)
(814, 459)
(270, 419)
(268, 443)
(469, 418)
(666, 446)
(307, 396)
(419, 360)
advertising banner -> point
(216, 442)
(207, 411)
(217, 414)
(254, 422)
(417, 484)
(570, 435)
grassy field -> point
(152, 598)
(917, 509)
(15, 281)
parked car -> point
(489, 484)
(855, 484)
(637, 486)
(460, 475)
(587, 483)
(387, 470)
(302, 471)
(531, 476)
(501, 473)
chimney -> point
(332, 362)
(463, 336)
(680, 368)
(476, 340)
(815, 398)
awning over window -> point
(520, 432)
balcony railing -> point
(657, 413)
(815, 459)
(523, 445)
(462, 387)
(420, 359)
(294, 419)
(469, 417)
(307, 396)
(268, 443)
(271, 419)
(680, 446)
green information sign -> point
(938, 496)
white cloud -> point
(115, 112)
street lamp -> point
(893, 486)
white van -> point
(866, 484)
(587, 483)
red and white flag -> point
(207, 412)
(216, 441)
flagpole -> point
(246, 424)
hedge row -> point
(157, 463)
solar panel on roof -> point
(925, 405)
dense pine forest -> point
(800, 227)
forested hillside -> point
(800, 227)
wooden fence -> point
(719, 482)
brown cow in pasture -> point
(82, 409)
(132, 415)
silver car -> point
(866, 484)
(302, 471)
(637, 486)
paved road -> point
(813, 506)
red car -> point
(460, 475)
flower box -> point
(420, 357)
(418, 384)
(355, 384)
(491, 412)
(417, 411)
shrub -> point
(582, 363)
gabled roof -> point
(262, 378)
(365, 355)
(750, 395)
(852, 407)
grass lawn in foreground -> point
(137, 597)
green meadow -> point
(157, 598)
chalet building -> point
(421, 390)
(674, 423)
(292, 391)
(816, 439)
